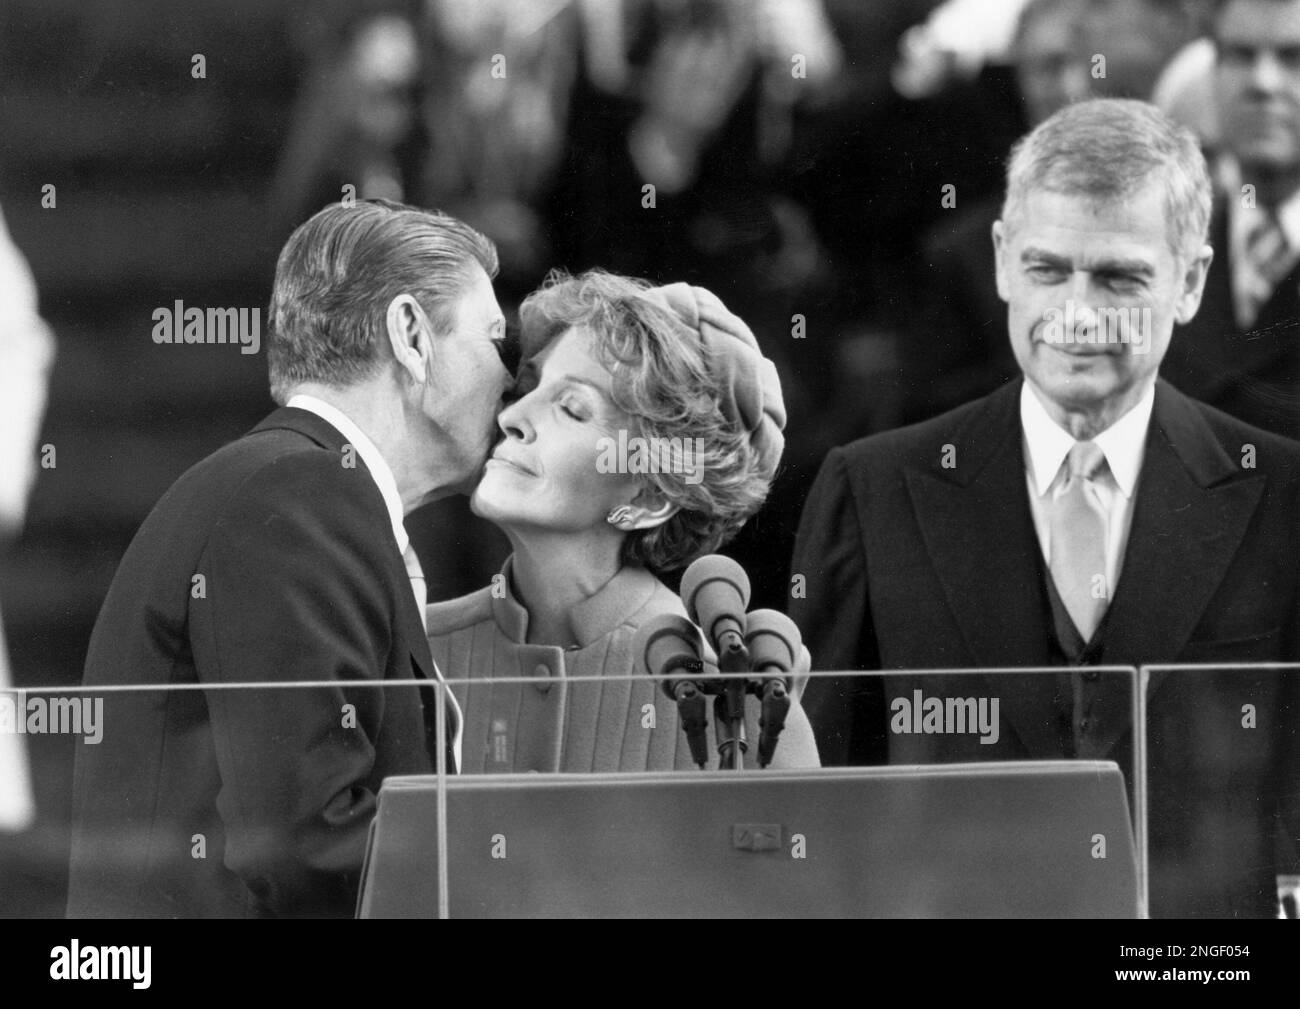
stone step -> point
(129, 133)
(114, 371)
(84, 511)
(75, 46)
(154, 245)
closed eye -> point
(575, 410)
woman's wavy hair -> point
(662, 380)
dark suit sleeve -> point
(296, 591)
(834, 617)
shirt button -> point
(1085, 724)
(1091, 676)
(542, 673)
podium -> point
(1022, 839)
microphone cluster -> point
(764, 644)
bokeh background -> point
(819, 196)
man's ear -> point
(648, 510)
(1192, 285)
(1000, 259)
(410, 335)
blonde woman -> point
(612, 367)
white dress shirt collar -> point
(379, 469)
(1047, 443)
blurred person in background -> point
(1185, 90)
(1048, 58)
(1129, 43)
(26, 355)
(498, 75)
(872, 173)
(958, 348)
(701, 101)
(1242, 351)
(355, 119)
(956, 39)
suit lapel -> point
(326, 435)
(980, 537)
(975, 521)
(412, 627)
(1193, 506)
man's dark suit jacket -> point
(913, 565)
(250, 802)
(1252, 374)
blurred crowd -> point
(830, 168)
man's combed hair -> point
(1108, 149)
(340, 270)
(662, 381)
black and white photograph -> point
(674, 459)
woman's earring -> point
(619, 516)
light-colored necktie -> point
(1078, 539)
(421, 592)
(1268, 260)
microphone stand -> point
(775, 707)
(729, 705)
(691, 714)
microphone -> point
(774, 645)
(669, 644)
(715, 592)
